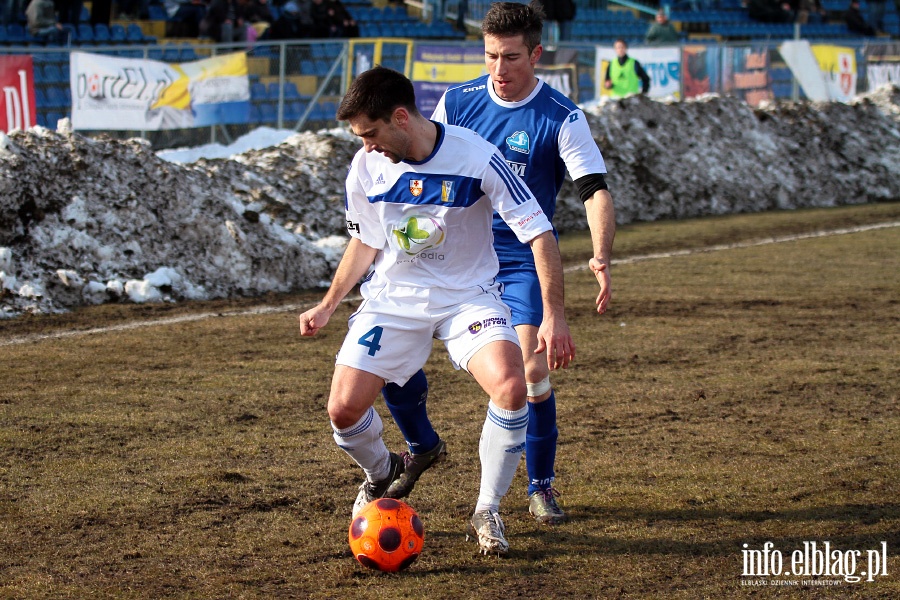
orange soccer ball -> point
(387, 535)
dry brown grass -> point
(734, 397)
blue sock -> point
(407, 406)
(540, 443)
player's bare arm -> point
(602, 223)
(553, 334)
(355, 262)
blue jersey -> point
(540, 137)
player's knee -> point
(536, 369)
(510, 393)
(344, 412)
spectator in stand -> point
(13, 10)
(69, 11)
(877, 9)
(100, 12)
(462, 7)
(560, 13)
(188, 19)
(342, 21)
(809, 11)
(856, 22)
(257, 16)
(770, 11)
(42, 21)
(624, 75)
(661, 31)
(223, 22)
(133, 10)
(293, 23)
(318, 10)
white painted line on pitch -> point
(753, 243)
(263, 310)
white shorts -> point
(391, 333)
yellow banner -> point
(838, 66)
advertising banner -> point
(127, 94)
(17, 105)
(436, 67)
(699, 74)
(745, 74)
(562, 78)
(826, 73)
(882, 65)
(838, 67)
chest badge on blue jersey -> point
(415, 187)
(519, 142)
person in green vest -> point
(624, 75)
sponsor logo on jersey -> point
(351, 226)
(517, 168)
(415, 187)
(530, 218)
(519, 142)
(474, 89)
(487, 324)
(447, 193)
(380, 179)
(417, 234)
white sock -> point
(362, 441)
(501, 447)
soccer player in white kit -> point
(420, 199)
(541, 134)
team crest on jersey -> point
(519, 142)
(415, 187)
(447, 193)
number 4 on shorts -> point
(371, 340)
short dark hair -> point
(508, 19)
(376, 93)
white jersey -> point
(432, 219)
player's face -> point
(384, 137)
(621, 49)
(511, 66)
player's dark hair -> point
(376, 93)
(508, 19)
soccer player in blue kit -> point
(541, 134)
(421, 196)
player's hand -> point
(555, 339)
(313, 320)
(601, 272)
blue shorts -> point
(521, 292)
